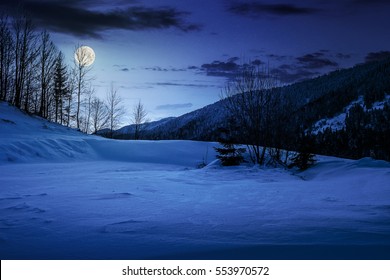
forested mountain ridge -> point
(312, 101)
(200, 124)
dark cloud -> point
(76, 17)
(370, 2)
(182, 85)
(253, 8)
(122, 68)
(162, 69)
(304, 67)
(289, 74)
(363, 6)
(287, 69)
(157, 69)
(178, 69)
(221, 69)
(277, 57)
(343, 55)
(174, 106)
(228, 69)
(375, 56)
(316, 60)
(257, 62)
(233, 59)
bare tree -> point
(139, 119)
(25, 52)
(87, 104)
(6, 58)
(251, 99)
(47, 61)
(69, 115)
(80, 72)
(98, 114)
(115, 110)
(31, 86)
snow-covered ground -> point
(65, 195)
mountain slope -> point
(316, 99)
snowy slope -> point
(146, 200)
(25, 138)
(338, 122)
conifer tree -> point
(304, 158)
(60, 87)
(228, 153)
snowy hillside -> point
(338, 122)
(25, 138)
(65, 195)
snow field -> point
(65, 195)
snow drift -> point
(83, 197)
(25, 138)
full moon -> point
(84, 56)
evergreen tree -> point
(229, 154)
(304, 158)
(60, 87)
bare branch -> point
(139, 119)
(115, 109)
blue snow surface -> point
(67, 195)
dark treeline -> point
(366, 129)
(366, 134)
(35, 77)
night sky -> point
(176, 55)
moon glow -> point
(84, 56)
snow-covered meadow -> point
(65, 195)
